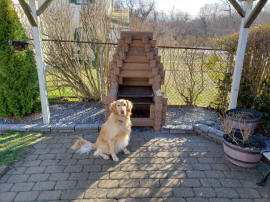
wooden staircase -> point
(136, 74)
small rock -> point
(210, 123)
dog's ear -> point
(129, 106)
(113, 107)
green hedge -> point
(19, 90)
(254, 89)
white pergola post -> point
(40, 66)
(248, 16)
(101, 72)
(240, 54)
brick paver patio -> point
(160, 168)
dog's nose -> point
(122, 112)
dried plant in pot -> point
(241, 145)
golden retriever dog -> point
(114, 134)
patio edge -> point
(199, 129)
(209, 132)
(171, 129)
(3, 170)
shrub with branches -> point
(189, 81)
(256, 67)
(254, 89)
(79, 67)
(218, 67)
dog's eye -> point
(118, 105)
(124, 104)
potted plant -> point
(241, 145)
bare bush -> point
(187, 72)
(245, 129)
(79, 67)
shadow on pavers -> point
(160, 166)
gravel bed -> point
(80, 113)
(192, 115)
(85, 112)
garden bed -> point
(94, 113)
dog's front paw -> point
(126, 151)
(115, 158)
(105, 157)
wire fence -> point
(192, 74)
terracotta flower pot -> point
(241, 156)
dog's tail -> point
(83, 146)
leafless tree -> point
(140, 12)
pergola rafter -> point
(43, 7)
(255, 12)
(28, 13)
(248, 16)
(238, 8)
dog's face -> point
(121, 107)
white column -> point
(101, 72)
(240, 54)
(40, 67)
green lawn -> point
(56, 92)
(13, 145)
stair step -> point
(136, 74)
(136, 82)
(137, 43)
(136, 66)
(137, 35)
(138, 101)
(136, 52)
(142, 122)
(135, 91)
(134, 59)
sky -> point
(190, 6)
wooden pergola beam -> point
(255, 12)
(43, 7)
(238, 8)
(28, 13)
